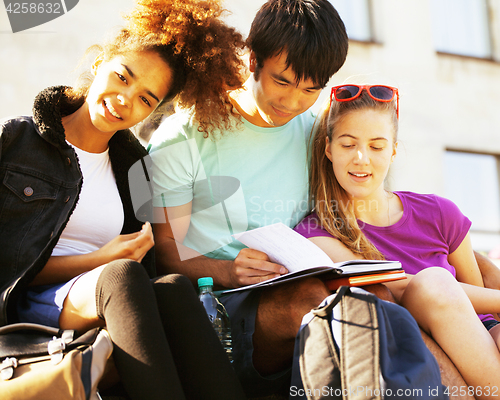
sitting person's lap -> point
(242, 309)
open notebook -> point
(303, 258)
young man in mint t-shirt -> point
(252, 175)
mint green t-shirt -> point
(244, 179)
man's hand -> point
(253, 266)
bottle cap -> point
(206, 281)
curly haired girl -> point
(203, 53)
(74, 255)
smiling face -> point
(361, 150)
(277, 95)
(126, 89)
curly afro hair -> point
(203, 52)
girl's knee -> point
(123, 270)
(123, 278)
(437, 287)
(433, 279)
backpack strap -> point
(325, 311)
(319, 362)
(356, 369)
(360, 350)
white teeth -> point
(111, 110)
(359, 175)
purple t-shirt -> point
(430, 229)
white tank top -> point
(98, 216)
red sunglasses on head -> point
(381, 93)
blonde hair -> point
(330, 200)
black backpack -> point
(365, 348)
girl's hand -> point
(132, 246)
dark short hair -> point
(311, 33)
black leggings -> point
(164, 344)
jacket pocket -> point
(30, 188)
(29, 212)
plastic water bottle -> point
(217, 314)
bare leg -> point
(489, 271)
(495, 334)
(491, 275)
(381, 291)
(443, 310)
(79, 310)
(278, 320)
(450, 377)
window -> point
(461, 27)
(356, 17)
(472, 182)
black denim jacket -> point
(40, 184)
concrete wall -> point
(46, 55)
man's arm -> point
(489, 271)
(170, 228)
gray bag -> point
(356, 346)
